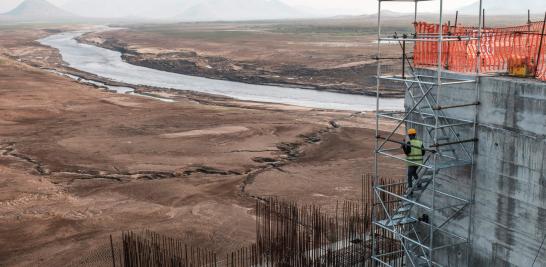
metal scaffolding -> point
(449, 141)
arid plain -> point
(79, 163)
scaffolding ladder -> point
(450, 142)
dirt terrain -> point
(78, 163)
(327, 56)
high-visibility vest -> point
(416, 154)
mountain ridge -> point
(37, 10)
(157, 9)
(214, 10)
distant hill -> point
(37, 11)
(507, 7)
(212, 10)
(128, 8)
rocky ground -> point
(78, 163)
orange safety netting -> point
(502, 49)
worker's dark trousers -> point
(412, 175)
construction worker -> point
(414, 151)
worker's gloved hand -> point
(406, 148)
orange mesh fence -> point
(510, 49)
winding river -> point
(108, 64)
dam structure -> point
(480, 196)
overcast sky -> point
(335, 6)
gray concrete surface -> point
(509, 212)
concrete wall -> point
(509, 213)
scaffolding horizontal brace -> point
(410, 121)
(458, 82)
(445, 117)
(390, 115)
(428, 39)
(438, 107)
(446, 81)
(390, 253)
(438, 166)
(456, 142)
(442, 231)
(464, 202)
(454, 125)
(402, 236)
(382, 152)
(378, 188)
(400, 79)
(385, 58)
(405, 144)
(390, 149)
(443, 78)
(447, 233)
(414, 79)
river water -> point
(108, 64)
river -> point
(108, 64)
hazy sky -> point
(336, 6)
(370, 6)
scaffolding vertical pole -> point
(416, 10)
(436, 128)
(378, 83)
(414, 29)
(375, 181)
(475, 132)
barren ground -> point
(78, 164)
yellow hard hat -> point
(412, 131)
